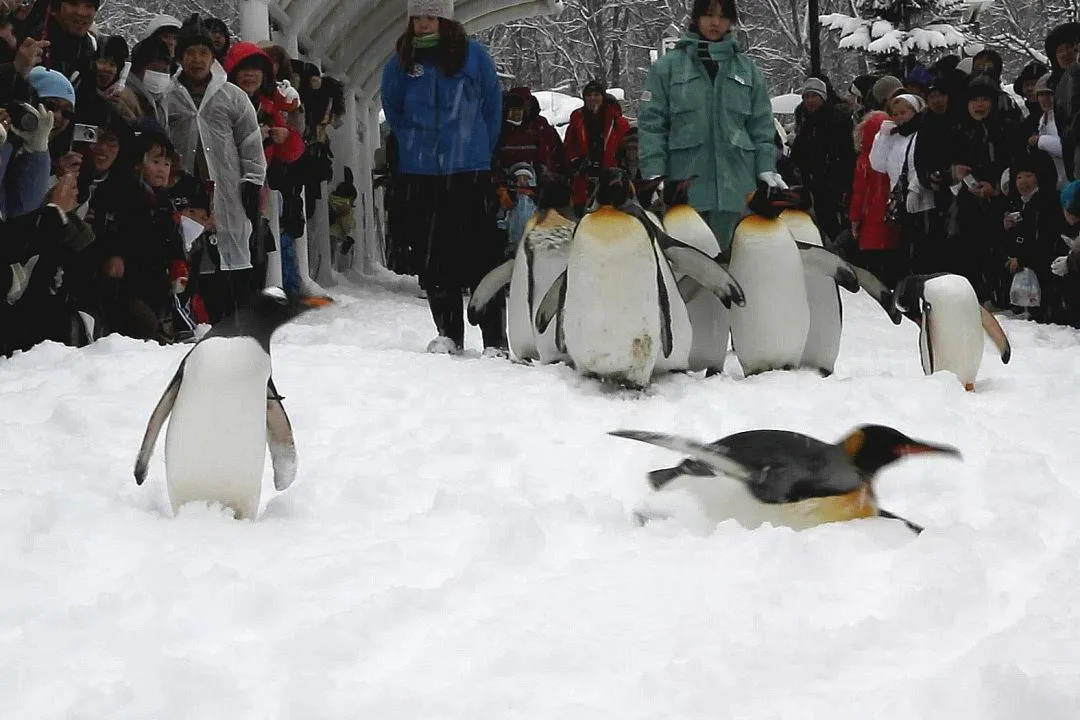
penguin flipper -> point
(492, 283)
(279, 437)
(659, 478)
(993, 329)
(831, 265)
(693, 263)
(892, 516)
(153, 428)
(876, 289)
(706, 454)
(551, 305)
(689, 288)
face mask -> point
(156, 82)
(515, 123)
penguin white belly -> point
(952, 331)
(521, 333)
(709, 318)
(682, 334)
(611, 313)
(826, 323)
(770, 332)
(708, 501)
(215, 446)
(541, 257)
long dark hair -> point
(453, 44)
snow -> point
(458, 543)
(556, 107)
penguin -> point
(709, 318)
(786, 478)
(540, 258)
(771, 331)
(616, 308)
(224, 410)
(951, 324)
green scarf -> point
(423, 42)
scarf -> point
(424, 42)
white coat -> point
(889, 154)
(228, 128)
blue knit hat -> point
(1070, 197)
(51, 84)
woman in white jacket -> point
(893, 153)
(1047, 138)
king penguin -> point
(541, 256)
(785, 478)
(224, 410)
(951, 324)
(617, 309)
(709, 318)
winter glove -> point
(289, 92)
(773, 179)
(249, 200)
(1060, 266)
(20, 279)
(1073, 243)
(36, 140)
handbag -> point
(896, 207)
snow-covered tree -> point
(129, 17)
(904, 29)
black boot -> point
(448, 313)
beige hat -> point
(433, 8)
(885, 88)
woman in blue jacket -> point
(443, 102)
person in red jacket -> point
(592, 138)
(524, 139)
(251, 69)
(880, 248)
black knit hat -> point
(513, 100)
(192, 33)
(981, 86)
(1064, 34)
(727, 9)
(148, 51)
(594, 86)
(214, 23)
(115, 48)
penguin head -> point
(677, 192)
(614, 187)
(872, 447)
(266, 312)
(769, 202)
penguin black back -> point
(614, 187)
(266, 312)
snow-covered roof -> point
(354, 38)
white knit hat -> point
(434, 8)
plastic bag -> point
(1025, 291)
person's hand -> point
(279, 134)
(855, 230)
(37, 140)
(113, 267)
(249, 200)
(64, 193)
(961, 171)
(29, 55)
(1033, 141)
(983, 189)
(70, 163)
(20, 278)
(1060, 266)
(773, 179)
(1013, 265)
(264, 130)
(1008, 222)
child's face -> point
(1026, 182)
(522, 182)
(156, 167)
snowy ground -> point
(458, 543)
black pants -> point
(447, 310)
(225, 292)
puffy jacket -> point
(613, 126)
(266, 106)
(870, 194)
(720, 130)
(528, 142)
(443, 124)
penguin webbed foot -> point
(917, 529)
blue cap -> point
(51, 84)
(1070, 197)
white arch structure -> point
(351, 40)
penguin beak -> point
(920, 448)
(317, 301)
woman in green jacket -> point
(706, 112)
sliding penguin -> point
(952, 323)
(541, 257)
(617, 309)
(785, 478)
(225, 410)
(709, 318)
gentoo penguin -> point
(709, 317)
(225, 410)
(540, 258)
(951, 323)
(785, 478)
(770, 332)
(617, 309)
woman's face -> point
(713, 26)
(979, 108)
(1026, 182)
(425, 25)
(1064, 55)
(1046, 101)
(901, 111)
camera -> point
(22, 118)
(970, 181)
(84, 134)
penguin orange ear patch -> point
(317, 301)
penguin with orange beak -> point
(786, 478)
